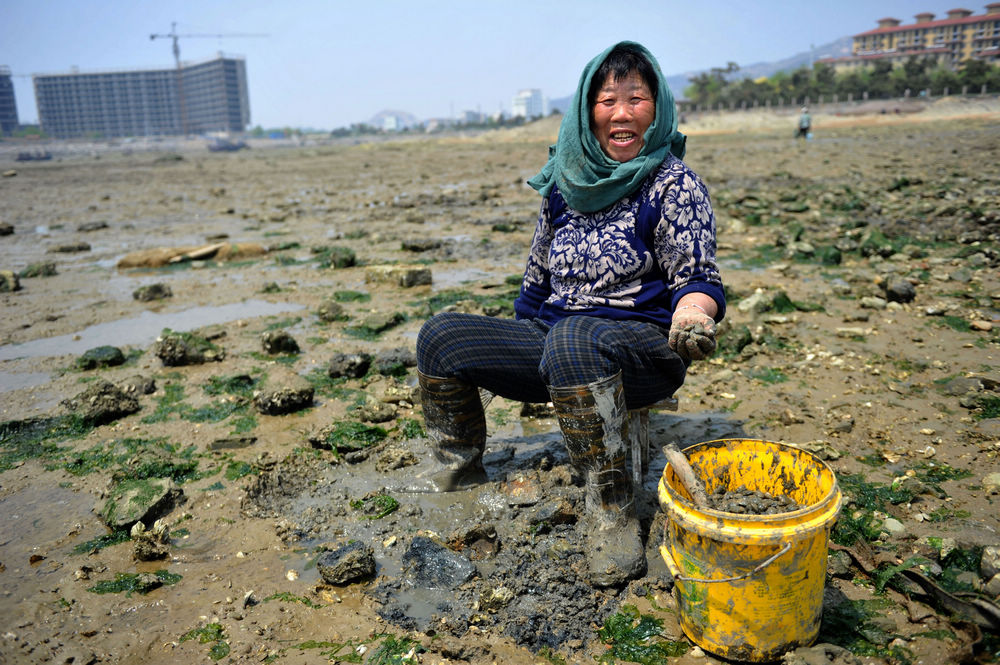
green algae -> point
(213, 634)
(636, 638)
(129, 583)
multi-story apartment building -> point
(949, 41)
(8, 103)
(209, 96)
(528, 104)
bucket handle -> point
(759, 567)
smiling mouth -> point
(622, 137)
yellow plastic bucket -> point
(750, 587)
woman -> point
(621, 292)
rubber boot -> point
(594, 423)
(455, 422)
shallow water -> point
(143, 329)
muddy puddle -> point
(143, 329)
(504, 556)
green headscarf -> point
(588, 179)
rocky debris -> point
(344, 565)
(100, 356)
(138, 385)
(283, 392)
(743, 501)
(6, 229)
(179, 349)
(87, 227)
(821, 654)
(398, 275)
(151, 544)
(40, 269)
(351, 365)
(70, 248)
(278, 341)
(150, 292)
(139, 500)
(431, 565)
(330, 311)
(102, 403)
(9, 281)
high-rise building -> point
(209, 96)
(8, 104)
(528, 104)
(949, 41)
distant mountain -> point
(678, 82)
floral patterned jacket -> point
(631, 261)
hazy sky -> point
(329, 64)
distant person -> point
(620, 293)
(805, 124)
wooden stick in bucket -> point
(686, 474)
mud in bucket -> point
(750, 587)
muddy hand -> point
(692, 338)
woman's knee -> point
(433, 340)
(576, 347)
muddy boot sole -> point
(615, 554)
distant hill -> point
(678, 82)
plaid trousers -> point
(519, 359)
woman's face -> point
(623, 111)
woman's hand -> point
(692, 332)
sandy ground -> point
(883, 391)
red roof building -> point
(960, 36)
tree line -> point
(880, 80)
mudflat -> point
(265, 305)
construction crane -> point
(177, 60)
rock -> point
(179, 349)
(139, 500)
(9, 281)
(278, 341)
(152, 544)
(9, 173)
(335, 257)
(893, 526)
(988, 428)
(330, 310)
(100, 356)
(352, 562)
(981, 326)
(395, 458)
(352, 365)
(40, 269)
(821, 654)
(70, 248)
(962, 386)
(992, 586)
(872, 302)
(496, 598)
(421, 244)
(379, 322)
(91, 226)
(399, 275)
(430, 565)
(899, 290)
(523, 488)
(375, 411)
(991, 483)
(989, 563)
(553, 511)
(138, 385)
(757, 302)
(283, 392)
(102, 403)
(393, 362)
(838, 564)
(6, 229)
(152, 292)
